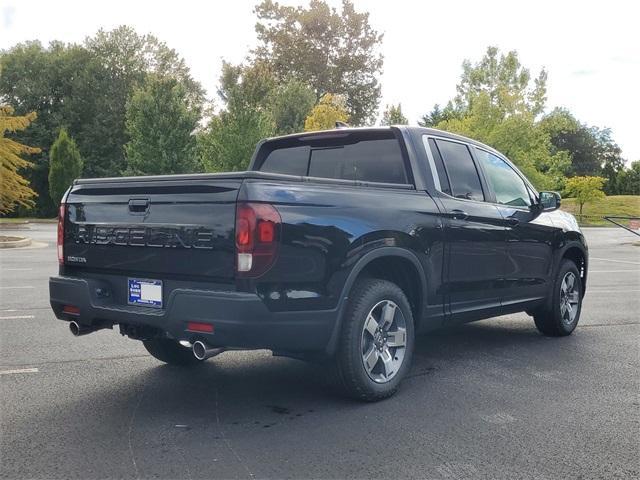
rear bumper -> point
(240, 320)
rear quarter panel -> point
(328, 228)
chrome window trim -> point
(432, 162)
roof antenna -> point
(340, 124)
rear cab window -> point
(367, 156)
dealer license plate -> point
(147, 293)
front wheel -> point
(377, 341)
(561, 314)
(171, 352)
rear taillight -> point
(62, 213)
(257, 237)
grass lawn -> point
(615, 205)
(30, 220)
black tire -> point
(171, 352)
(351, 375)
(551, 320)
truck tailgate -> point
(154, 227)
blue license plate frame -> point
(145, 292)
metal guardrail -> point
(631, 219)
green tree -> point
(160, 122)
(58, 93)
(65, 165)
(290, 106)
(122, 61)
(628, 180)
(497, 103)
(228, 141)
(393, 116)
(506, 83)
(331, 51)
(85, 88)
(585, 190)
(438, 115)
(592, 150)
(329, 110)
(14, 189)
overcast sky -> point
(590, 49)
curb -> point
(15, 226)
(23, 242)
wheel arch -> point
(577, 255)
(395, 264)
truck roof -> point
(413, 129)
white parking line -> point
(622, 290)
(17, 269)
(615, 261)
(18, 370)
(16, 288)
(613, 271)
(17, 317)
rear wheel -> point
(171, 352)
(377, 341)
(561, 314)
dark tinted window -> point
(442, 173)
(367, 161)
(509, 188)
(375, 160)
(292, 161)
(462, 173)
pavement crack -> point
(130, 430)
(228, 443)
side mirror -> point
(549, 201)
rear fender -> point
(360, 265)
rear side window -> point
(291, 161)
(368, 160)
(461, 171)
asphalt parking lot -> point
(493, 399)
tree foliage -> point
(228, 141)
(438, 115)
(14, 189)
(329, 110)
(84, 87)
(290, 105)
(585, 189)
(628, 180)
(498, 103)
(331, 51)
(393, 116)
(504, 81)
(160, 122)
(65, 165)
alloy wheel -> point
(384, 341)
(569, 298)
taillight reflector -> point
(70, 310)
(62, 213)
(258, 228)
(200, 327)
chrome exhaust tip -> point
(79, 329)
(202, 351)
(74, 328)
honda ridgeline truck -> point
(337, 246)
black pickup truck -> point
(336, 246)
